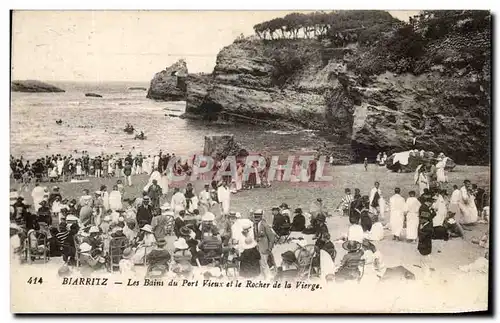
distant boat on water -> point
(94, 95)
(137, 88)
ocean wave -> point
(281, 132)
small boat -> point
(140, 137)
(94, 95)
(59, 122)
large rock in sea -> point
(440, 103)
(169, 84)
(223, 146)
(33, 86)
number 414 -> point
(35, 280)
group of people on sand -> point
(103, 230)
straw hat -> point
(127, 253)
(147, 228)
(94, 229)
(208, 216)
(258, 212)
(71, 217)
(181, 244)
(351, 245)
(85, 247)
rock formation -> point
(359, 95)
(169, 84)
(33, 86)
(223, 146)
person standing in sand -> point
(224, 196)
(421, 178)
(377, 202)
(412, 207)
(397, 204)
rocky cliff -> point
(385, 96)
(33, 86)
(170, 84)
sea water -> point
(96, 124)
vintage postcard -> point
(250, 161)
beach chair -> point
(230, 262)
(169, 227)
(305, 259)
(116, 247)
(36, 247)
(211, 248)
(283, 233)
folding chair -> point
(36, 247)
(116, 248)
(284, 232)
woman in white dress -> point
(441, 175)
(145, 245)
(115, 199)
(60, 165)
(467, 205)
(421, 179)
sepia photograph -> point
(326, 161)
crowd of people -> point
(103, 230)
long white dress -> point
(441, 211)
(467, 207)
(105, 200)
(440, 173)
(37, 195)
(224, 196)
(144, 248)
(422, 182)
(412, 207)
(178, 202)
(397, 204)
(60, 164)
(115, 200)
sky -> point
(125, 45)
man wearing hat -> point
(299, 221)
(279, 220)
(44, 214)
(266, 238)
(145, 212)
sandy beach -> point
(469, 289)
